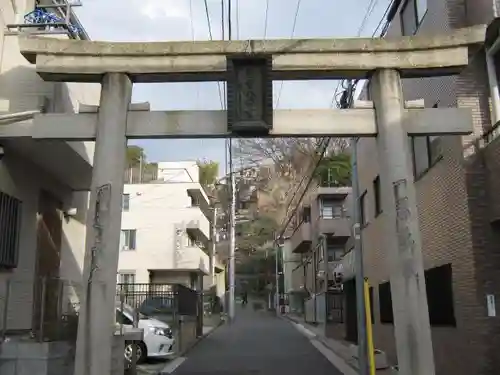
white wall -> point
(21, 89)
(23, 180)
(290, 262)
(178, 171)
(154, 211)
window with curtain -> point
(125, 202)
(128, 239)
(331, 208)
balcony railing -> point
(338, 224)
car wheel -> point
(141, 352)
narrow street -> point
(256, 343)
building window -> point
(126, 287)
(438, 284)
(385, 303)
(191, 241)
(129, 239)
(127, 278)
(10, 225)
(412, 14)
(363, 209)
(306, 214)
(335, 252)
(377, 198)
(372, 313)
(439, 289)
(426, 151)
(125, 202)
(331, 209)
(422, 7)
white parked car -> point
(158, 340)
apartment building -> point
(166, 231)
(43, 203)
(457, 192)
(321, 229)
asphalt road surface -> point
(257, 343)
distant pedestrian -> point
(244, 298)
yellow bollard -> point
(369, 332)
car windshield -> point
(157, 305)
(129, 310)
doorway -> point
(48, 288)
(351, 317)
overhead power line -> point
(310, 180)
(210, 35)
(296, 16)
(266, 19)
(340, 99)
(384, 22)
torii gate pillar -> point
(403, 243)
(103, 228)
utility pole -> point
(232, 237)
(364, 367)
(324, 251)
(232, 231)
(141, 167)
(276, 300)
(213, 244)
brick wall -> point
(453, 207)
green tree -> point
(335, 170)
(134, 156)
(209, 171)
(253, 234)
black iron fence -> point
(54, 304)
(335, 306)
(164, 299)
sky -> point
(185, 20)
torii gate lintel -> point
(250, 106)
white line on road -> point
(172, 366)
(304, 330)
(334, 359)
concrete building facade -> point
(43, 207)
(44, 183)
(321, 229)
(166, 230)
(456, 180)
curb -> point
(323, 342)
(199, 339)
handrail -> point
(491, 133)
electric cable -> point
(211, 38)
(383, 19)
(297, 10)
(336, 100)
(266, 19)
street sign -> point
(249, 95)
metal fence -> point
(44, 309)
(151, 299)
(335, 306)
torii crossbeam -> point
(249, 67)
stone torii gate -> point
(249, 68)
